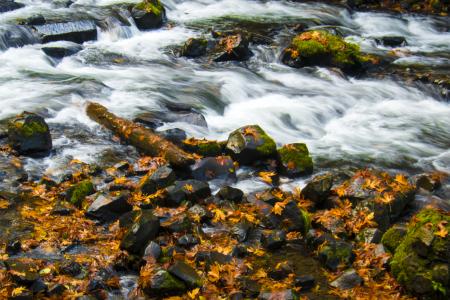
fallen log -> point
(144, 139)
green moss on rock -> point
(321, 48)
(393, 237)
(151, 6)
(148, 14)
(295, 160)
(425, 246)
(78, 192)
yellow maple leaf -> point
(188, 187)
(386, 198)
(219, 215)
(4, 204)
(17, 291)
(266, 176)
(278, 208)
(442, 232)
(214, 273)
(193, 294)
(401, 179)
(260, 274)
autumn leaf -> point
(193, 294)
(214, 273)
(120, 180)
(4, 204)
(18, 290)
(260, 274)
(188, 187)
(219, 215)
(386, 198)
(442, 232)
(278, 208)
(401, 179)
(267, 176)
(257, 252)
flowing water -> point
(344, 121)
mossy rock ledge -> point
(148, 14)
(295, 160)
(321, 48)
(421, 261)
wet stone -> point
(335, 254)
(144, 227)
(13, 247)
(187, 241)
(164, 284)
(187, 190)
(348, 280)
(152, 250)
(305, 282)
(148, 14)
(194, 47)
(77, 31)
(161, 178)
(274, 240)
(110, 207)
(231, 194)
(318, 189)
(175, 135)
(295, 160)
(210, 168)
(212, 257)
(22, 272)
(391, 41)
(180, 223)
(232, 48)
(61, 49)
(9, 5)
(186, 273)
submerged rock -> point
(61, 49)
(149, 14)
(321, 48)
(77, 31)
(295, 160)
(249, 144)
(421, 260)
(194, 47)
(29, 134)
(9, 5)
(143, 227)
(16, 36)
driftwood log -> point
(144, 139)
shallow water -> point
(344, 121)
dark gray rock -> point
(161, 178)
(22, 272)
(163, 283)
(148, 14)
(145, 227)
(209, 168)
(110, 207)
(231, 194)
(61, 49)
(392, 41)
(190, 190)
(194, 47)
(175, 135)
(77, 31)
(318, 189)
(305, 282)
(176, 224)
(273, 239)
(29, 134)
(153, 250)
(186, 273)
(187, 241)
(348, 280)
(232, 48)
(333, 254)
(9, 5)
(16, 36)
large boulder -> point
(295, 160)
(148, 14)
(29, 134)
(77, 31)
(321, 48)
(9, 5)
(421, 261)
(140, 230)
(249, 144)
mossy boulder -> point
(295, 160)
(336, 254)
(29, 134)
(148, 14)
(421, 261)
(79, 191)
(194, 47)
(249, 144)
(162, 283)
(321, 48)
(393, 237)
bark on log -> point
(144, 139)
